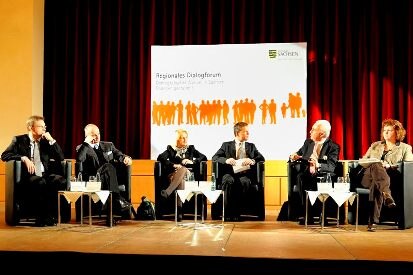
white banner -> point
(205, 89)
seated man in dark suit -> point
(317, 157)
(35, 149)
(97, 157)
(231, 154)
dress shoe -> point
(164, 194)
(388, 200)
(372, 227)
(124, 205)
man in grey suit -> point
(237, 153)
(36, 150)
(97, 157)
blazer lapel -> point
(324, 148)
(27, 147)
(232, 150)
(247, 149)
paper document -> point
(367, 162)
(238, 167)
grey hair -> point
(30, 121)
(89, 127)
(324, 125)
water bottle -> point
(214, 184)
(329, 182)
(347, 178)
(79, 176)
(347, 182)
(99, 183)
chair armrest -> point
(13, 171)
(260, 166)
(157, 169)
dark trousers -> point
(375, 178)
(305, 181)
(109, 179)
(235, 187)
(43, 192)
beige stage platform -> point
(242, 246)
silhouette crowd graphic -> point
(217, 112)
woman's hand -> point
(177, 166)
(187, 161)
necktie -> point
(241, 151)
(99, 153)
(318, 150)
(36, 159)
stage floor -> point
(235, 240)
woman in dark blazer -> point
(178, 159)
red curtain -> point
(97, 61)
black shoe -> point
(371, 227)
(124, 205)
(164, 194)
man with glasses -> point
(36, 149)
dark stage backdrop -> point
(97, 61)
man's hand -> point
(47, 136)
(313, 166)
(231, 161)
(90, 139)
(127, 160)
(295, 156)
(29, 164)
(247, 161)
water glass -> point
(189, 176)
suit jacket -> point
(21, 146)
(328, 157)
(91, 162)
(401, 152)
(169, 157)
(228, 150)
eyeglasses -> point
(41, 126)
